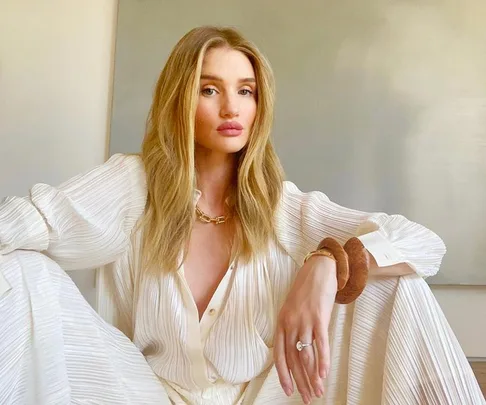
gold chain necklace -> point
(207, 219)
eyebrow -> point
(219, 79)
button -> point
(212, 311)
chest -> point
(207, 261)
(238, 324)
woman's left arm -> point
(397, 247)
(304, 219)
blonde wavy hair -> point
(168, 154)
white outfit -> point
(392, 346)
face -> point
(227, 101)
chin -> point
(228, 145)
(234, 146)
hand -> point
(305, 316)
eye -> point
(208, 91)
(246, 92)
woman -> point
(203, 249)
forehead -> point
(227, 63)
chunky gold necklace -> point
(207, 219)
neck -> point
(215, 176)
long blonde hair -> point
(168, 154)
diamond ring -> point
(301, 345)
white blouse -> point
(88, 222)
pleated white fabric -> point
(393, 346)
(55, 349)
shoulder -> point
(131, 162)
(127, 184)
(291, 194)
(127, 167)
(122, 176)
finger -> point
(308, 360)
(281, 362)
(301, 380)
(298, 372)
(323, 352)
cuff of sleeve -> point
(23, 227)
(381, 249)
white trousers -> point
(55, 349)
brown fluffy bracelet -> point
(352, 266)
(359, 264)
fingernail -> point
(288, 391)
(318, 392)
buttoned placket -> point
(198, 331)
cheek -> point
(203, 119)
(201, 115)
(251, 112)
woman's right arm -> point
(82, 224)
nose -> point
(230, 107)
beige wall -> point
(381, 104)
(55, 77)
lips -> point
(232, 128)
(230, 125)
